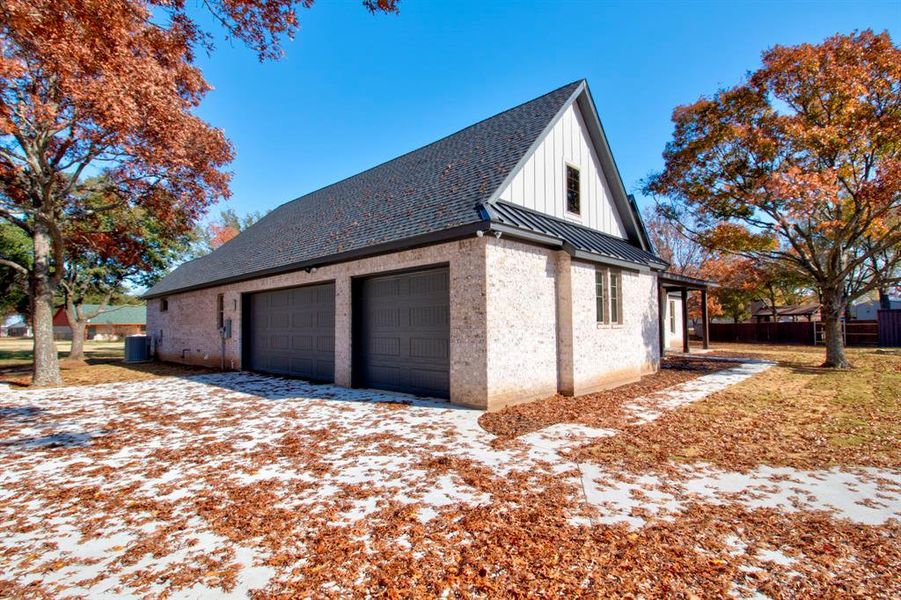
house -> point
(113, 323)
(18, 328)
(809, 311)
(867, 309)
(500, 264)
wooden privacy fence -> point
(807, 333)
(889, 328)
(763, 333)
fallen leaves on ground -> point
(602, 409)
(279, 489)
(794, 414)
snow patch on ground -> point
(867, 496)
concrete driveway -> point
(225, 484)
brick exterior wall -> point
(187, 331)
(609, 355)
(522, 321)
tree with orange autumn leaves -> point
(110, 86)
(799, 166)
(740, 281)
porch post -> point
(704, 319)
(661, 317)
(685, 320)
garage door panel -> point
(426, 379)
(325, 344)
(404, 326)
(428, 348)
(292, 332)
(302, 342)
(384, 347)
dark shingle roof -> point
(575, 238)
(437, 187)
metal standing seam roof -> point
(575, 238)
(435, 193)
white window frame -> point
(601, 296)
(617, 300)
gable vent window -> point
(164, 304)
(573, 190)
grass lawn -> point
(103, 364)
(794, 414)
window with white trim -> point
(601, 294)
(616, 296)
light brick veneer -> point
(522, 321)
(187, 331)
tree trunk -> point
(834, 305)
(46, 363)
(76, 351)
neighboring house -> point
(16, 329)
(500, 264)
(114, 323)
(789, 313)
(867, 309)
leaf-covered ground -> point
(244, 485)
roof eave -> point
(433, 237)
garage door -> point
(292, 332)
(402, 333)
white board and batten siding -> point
(540, 183)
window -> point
(573, 190)
(616, 300)
(672, 316)
(164, 304)
(220, 310)
(600, 284)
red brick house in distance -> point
(114, 323)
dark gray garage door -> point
(402, 333)
(292, 332)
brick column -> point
(564, 292)
(343, 331)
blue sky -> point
(355, 90)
